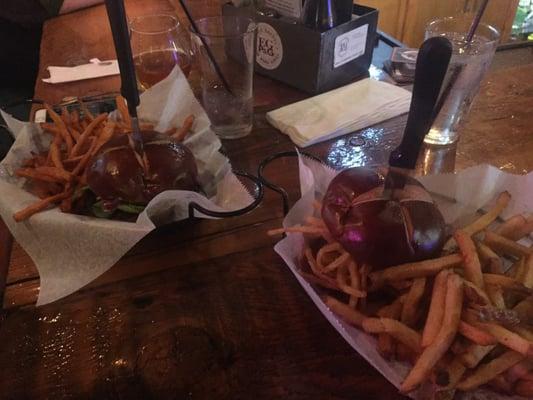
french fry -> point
(490, 370)
(75, 134)
(524, 309)
(511, 225)
(85, 159)
(386, 346)
(105, 136)
(502, 245)
(412, 302)
(341, 260)
(123, 109)
(392, 310)
(418, 269)
(351, 316)
(436, 309)
(325, 251)
(396, 329)
(86, 133)
(476, 295)
(524, 332)
(527, 278)
(486, 219)
(520, 271)
(508, 339)
(344, 286)
(314, 267)
(476, 335)
(50, 128)
(474, 354)
(454, 371)
(65, 115)
(30, 173)
(182, 132)
(55, 155)
(355, 282)
(516, 227)
(507, 283)
(73, 159)
(490, 259)
(75, 120)
(434, 352)
(54, 172)
(61, 127)
(39, 206)
(87, 115)
(495, 295)
(472, 266)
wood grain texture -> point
(211, 330)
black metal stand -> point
(278, 189)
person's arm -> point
(73, 5)
(56, 7)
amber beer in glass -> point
(158, 44)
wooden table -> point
(206, 309)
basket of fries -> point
(48, 202)
(456, 326)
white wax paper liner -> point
(457, 195)
(71, 251)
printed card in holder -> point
(310, 60)
(350, 45)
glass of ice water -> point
(469, 63)
(224, 53)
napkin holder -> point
(310, 60)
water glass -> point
(224, 53)
(469, 63)
(158, 44)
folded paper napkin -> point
(94, 69)
(340, 111)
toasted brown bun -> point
(115, 173)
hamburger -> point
(120, 183)
(382, 231)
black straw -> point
(476, 21)
(457, 71)
(207, 49)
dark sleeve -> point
(52, 6)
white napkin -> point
(340, 111)
(95, 69)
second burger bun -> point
(115, 174)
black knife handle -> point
(121, 37)
(431, 66)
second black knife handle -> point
(121, 37)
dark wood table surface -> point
(206, 309)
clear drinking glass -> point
(158, 44)
(467, 67)
(224, 52)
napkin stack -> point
(340, 111)
(94, 69)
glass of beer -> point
(158, 44)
